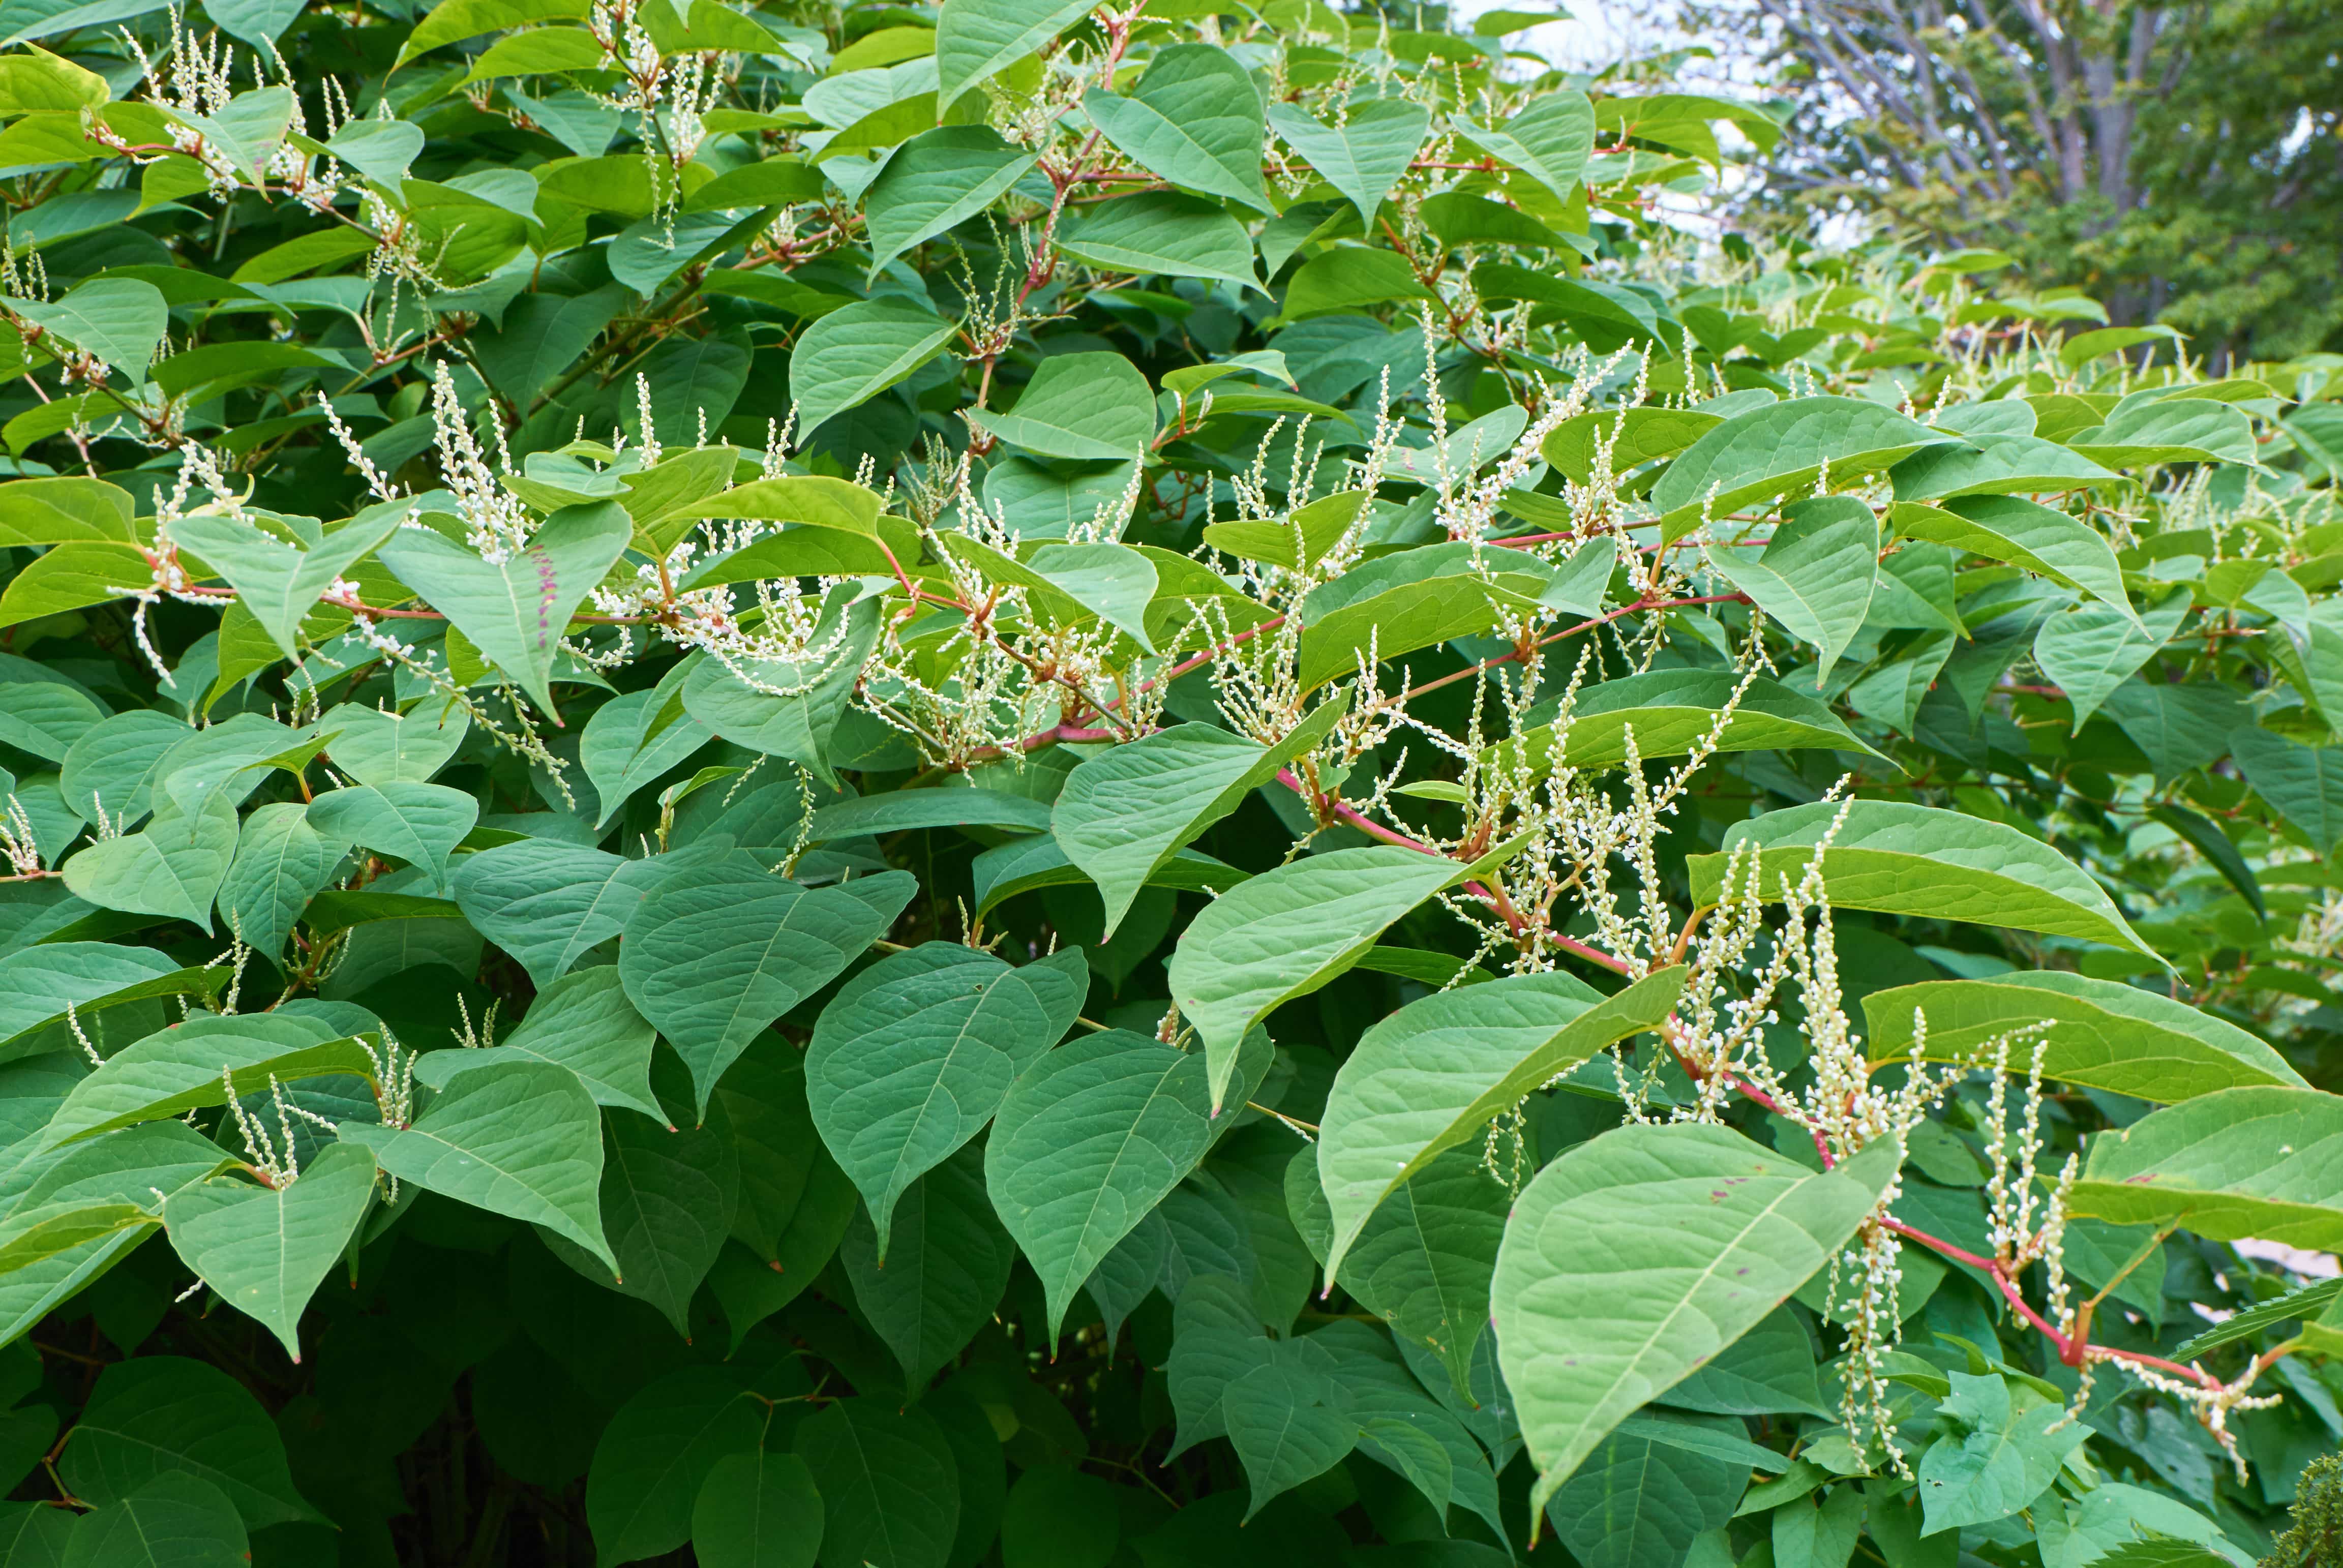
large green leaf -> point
(1088, 1142)
(548, 903)
(1285, 933)
(1999, 1456)
(756, 1510)
(667, 1199)
(152, 1416)
(1780, 449)
(37, 984)
(174, 1520)
(517, 610)
(2023, 533)
(1079, 406)
(978, 39)
(1634, 1258)
(178, 1070)
(281, 863)
(1423, 1260)
(714, 957)
(1814, 574)
(868, 1458)
(120, 321)
(266, 1250)
(1902, 858)
(655, 1457)
(2104, 1035)
(2304, 782)
(379, 746)
(1164, 232)
(1364, 155)
(2237, 1163)
(173, 867)
(1287, 1425)
(1672, 711)
(1196, 120)
(417, 823)
(952, 1262)
(1432, 1075)
(2090, 650)
(1550, 141)
(278, 582)
(619, 750)
(521, 1139)
(1125, 813)
(853, 354)
(914, 1054)
(935, 181)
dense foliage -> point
(1010, 785)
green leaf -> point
(281, 863)
(1349, 278)
(2171, 430)
(1079, 406)
(178, 1070)
(907, 809)
(1125, 813)
(1423, 1258)
(952, 1262)
(2088, 651)
(521, 1139)
(1672, 711)
(667, 1202)
(173, 867)
(1088, 1142)
(516, 611)
(42, 1234)
(278, 582)
(72, 576)
(266, 1251)
(1999, 1459)
(377, 745)
(867, 1458)
(1780, 449)
(1901, 858)
(853, 354)
(791, 708)
(1166, 233)
(2105, 1034)
(37, 984)
(153, 1416)
(655, 1458)
(2237, 1162)
(1365, 156)
(2025, 534)
(1814, 574)
(1287, 1425)
(1431, 1077)
(621, 756)
(1634, 1258)
(714, 957)
(914, 1054)
(174, 1520)
(418, 823)
(1994, 465)
(1634, 435)
(2305, 783)
(1640, 1501)
(1769, 1370)
(118, 320)
(1550, 141)
(1399, 603)
(756, 1510)
(548, 903)
(934, 183)
(582, 1021)
(1196, 120)
(1023, 865)
(45, 717)
(978, 39)
(1285, 933)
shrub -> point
(1123, 788)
